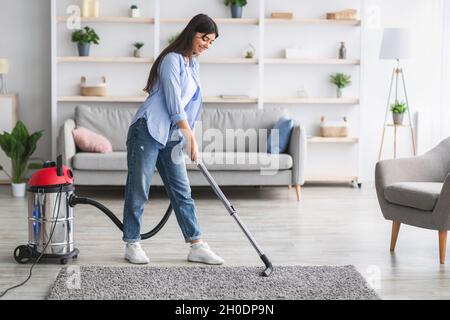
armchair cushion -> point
(419, 195)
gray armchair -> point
(416, 191)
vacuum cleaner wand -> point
(233, 213)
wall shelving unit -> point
(261, 22)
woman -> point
(160, 126)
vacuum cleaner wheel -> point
(23, 254)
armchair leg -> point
(298, 190)
(394, 234)
(442, 245)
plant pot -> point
(83, 49)
(18, 189)
(135, 13)
(236, 11)
(397, 118)
(339, 92)
(137, 53)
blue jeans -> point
(144, 154)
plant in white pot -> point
(134, 11)
(137, 49)
(236, 7)
(19, 146)
(341, 81)
(398, 110)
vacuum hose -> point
(74, 200)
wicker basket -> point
(333, 128)
(97, 90)
(350, 14)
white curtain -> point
(445, 77)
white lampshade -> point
(4, 66)
(396, 44)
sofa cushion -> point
(279, 137)
(230, 161)
(419, 195)
(89, 141)
(240, 125)
(116, 160)
(111, 122)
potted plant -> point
(340, 80)
(398, 110)
(250, 52)
(84, 38)
(19, 146)
(134, 11)
(236, 7)
(137, 49)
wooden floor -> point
(333, 225)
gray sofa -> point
(231, 165)
(416, 191)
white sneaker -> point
(135, 254)
(200, 252)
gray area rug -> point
(210, 282)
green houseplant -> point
(137, 49)
(134, 11)
(84, 37)
(398, 110)
(236, 7)
(341, 81)
(19, 146)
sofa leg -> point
(394, 234)
(442, 245)
(298, 190)
(289, 186)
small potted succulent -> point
(340, 80)
(137, 49)
(134, 11)
(250, 52)
(84, 37)
(19, 146)
(398, 110)
(236, 7)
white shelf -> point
(249, 21)
(311, 100)
(228, 61)
(145, 20)
(211, 99)
(333, 140)
(314, 22)
(91, 59)
(313, 61)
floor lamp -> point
(396, 45)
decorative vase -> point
(90, 8)
(18, 189)
(339, 92)
(135, 13)
(342, 51)
(137, 53)
(397, 118)
(236, 11)
(83, 49)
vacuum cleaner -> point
(51, 199)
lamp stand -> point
(397, 73)
(2, 84)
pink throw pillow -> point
(90, 141)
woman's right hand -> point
(191, 143)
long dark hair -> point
(183, 43)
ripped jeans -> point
(144, 154)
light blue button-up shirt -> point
(163, 108)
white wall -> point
(26, 42)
